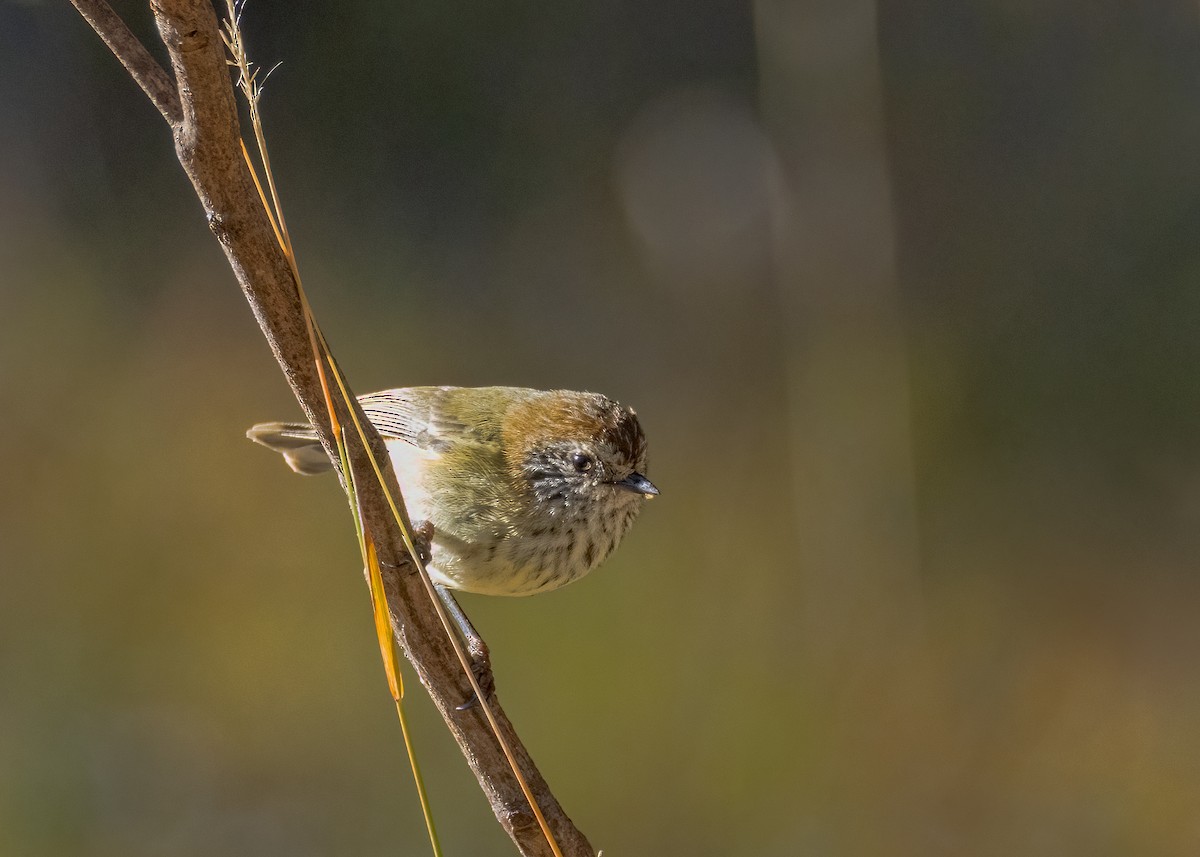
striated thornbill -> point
(525, 490)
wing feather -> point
(417, 415)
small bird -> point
(522, 491)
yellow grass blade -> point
(383, 624)
(387, 648)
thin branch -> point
(203, 116)
(142, 67)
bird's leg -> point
(477, 650)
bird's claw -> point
(423, 540)
(422, 534)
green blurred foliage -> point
(551, 196)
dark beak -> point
(638, 484)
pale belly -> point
(478, 554)
(516, 566)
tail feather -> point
(296, 442)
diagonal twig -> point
(142, 67)
(202, 112)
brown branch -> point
(202, 113)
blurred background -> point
(904, 292)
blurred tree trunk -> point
(848, 382)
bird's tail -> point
(296, 442)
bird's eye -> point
(582, 462)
